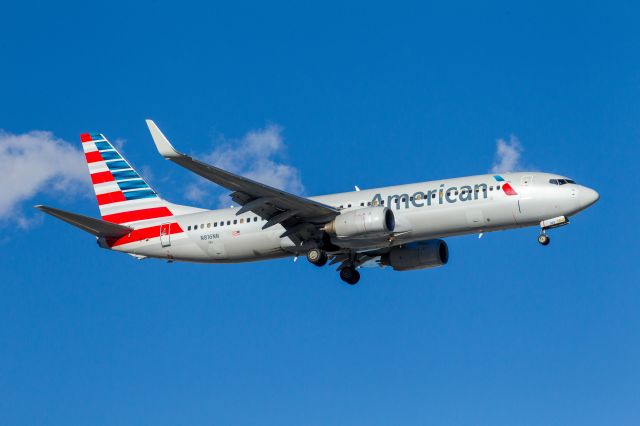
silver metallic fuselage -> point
(423, 211)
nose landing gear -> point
(556, 222)
(544, 239)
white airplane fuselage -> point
(423, 211)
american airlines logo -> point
(441, 195)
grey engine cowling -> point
(419, 255)
(365, 222)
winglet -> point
(162, 143)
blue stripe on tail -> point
(136, 195)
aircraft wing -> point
(97, 227)
(297, 214)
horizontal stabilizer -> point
(97, 227)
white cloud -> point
(37, 162)
(195, 192)
(507, 157)
(257, 155)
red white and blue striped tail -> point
(123, 195)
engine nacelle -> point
(363, 223)
(419, 255)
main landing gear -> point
(317, 257)
(348, 272)
(350, 275)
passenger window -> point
(491, 188)
(368, 203)
(235, 221)
(228, 222)
(255, 219)
(222, 223)
(195, 227)
(189, 228)
(433, 195)
(215, 224)
(498, 187)
(202, 226)
(361, 204)
(242, 220)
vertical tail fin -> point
(123, 195)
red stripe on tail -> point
(101, 177)
(135, 215)
(93, 156)
(110, 197)
(85, 137)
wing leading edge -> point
(298, 215)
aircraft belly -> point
(216, 249)
(531, 210)
(459, 219)
(449, 219)
(182, 247)
(253, 245)
(500, 213)
(475, 218)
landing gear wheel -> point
(317, 257)
(350, 275)
(544, 239)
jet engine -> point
(362, 223)
(419, 255)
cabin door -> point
(165, 234)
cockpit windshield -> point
(561, 181)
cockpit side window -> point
(561, 181)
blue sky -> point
(507, 333)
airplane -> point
(401, 226)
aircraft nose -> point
(588, 197)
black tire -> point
(323, 260)
(350, 275)
(544, 239)
(317, 257)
